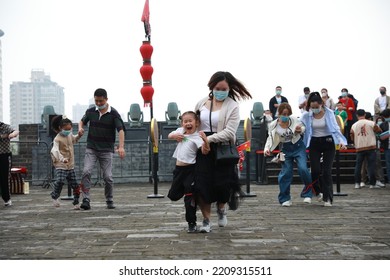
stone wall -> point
(34, 145)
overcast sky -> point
(88, 44)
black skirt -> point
(216, 183)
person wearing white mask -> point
(219, 119)
(328, 101)
(104, 121)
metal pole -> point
(338, 188)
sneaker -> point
(319, 197)
(76, 207)
(327, 204)
(206, 226)
(85, 205)
(75, 200)
(287, 203)
(56, 202)
(191, 228)
(110, 205)
(307, 200)
(357, 185)
(379, 184)
(8, 203)
(362, 185)
(222, 219)
(374, 187)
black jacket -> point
(272, 102)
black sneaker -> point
(110, 205)
(191, 228)
(75, 200)
(85, 205)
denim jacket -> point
(331, 126)
(273, 139)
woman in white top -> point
(287, 131)
(219, 119)
(328, 101)
(322, 134)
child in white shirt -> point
(189, 141)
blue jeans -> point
(293, 152)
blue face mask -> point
(278, 92)
(102, 107)
(284, 118)
(316, 110)
(220, 95)
(343, 94)
(65, 132)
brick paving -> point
(141, 228)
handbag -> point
(225, 153)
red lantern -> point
(147, 94)
(146, 71)
(146, 51)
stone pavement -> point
(356, 227)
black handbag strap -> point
(211, 109)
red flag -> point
(244, 146)
(145, 18)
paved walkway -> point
(356, 227)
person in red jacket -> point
(349, 106)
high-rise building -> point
(28, 99)
(78, 112)
(1, 81)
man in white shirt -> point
(382, 102)
(303, 99)
(363, 134)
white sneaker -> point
(56, 202)
(287, 203)
(307, 200)
(379, 184)
(362, 185)
(374, 187)
(222, 219)
(8, 203)
(206, 226)
(327, 204)
(357, 185)
(319, 197)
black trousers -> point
(321, 173)
(5, 160)
(183, 185)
